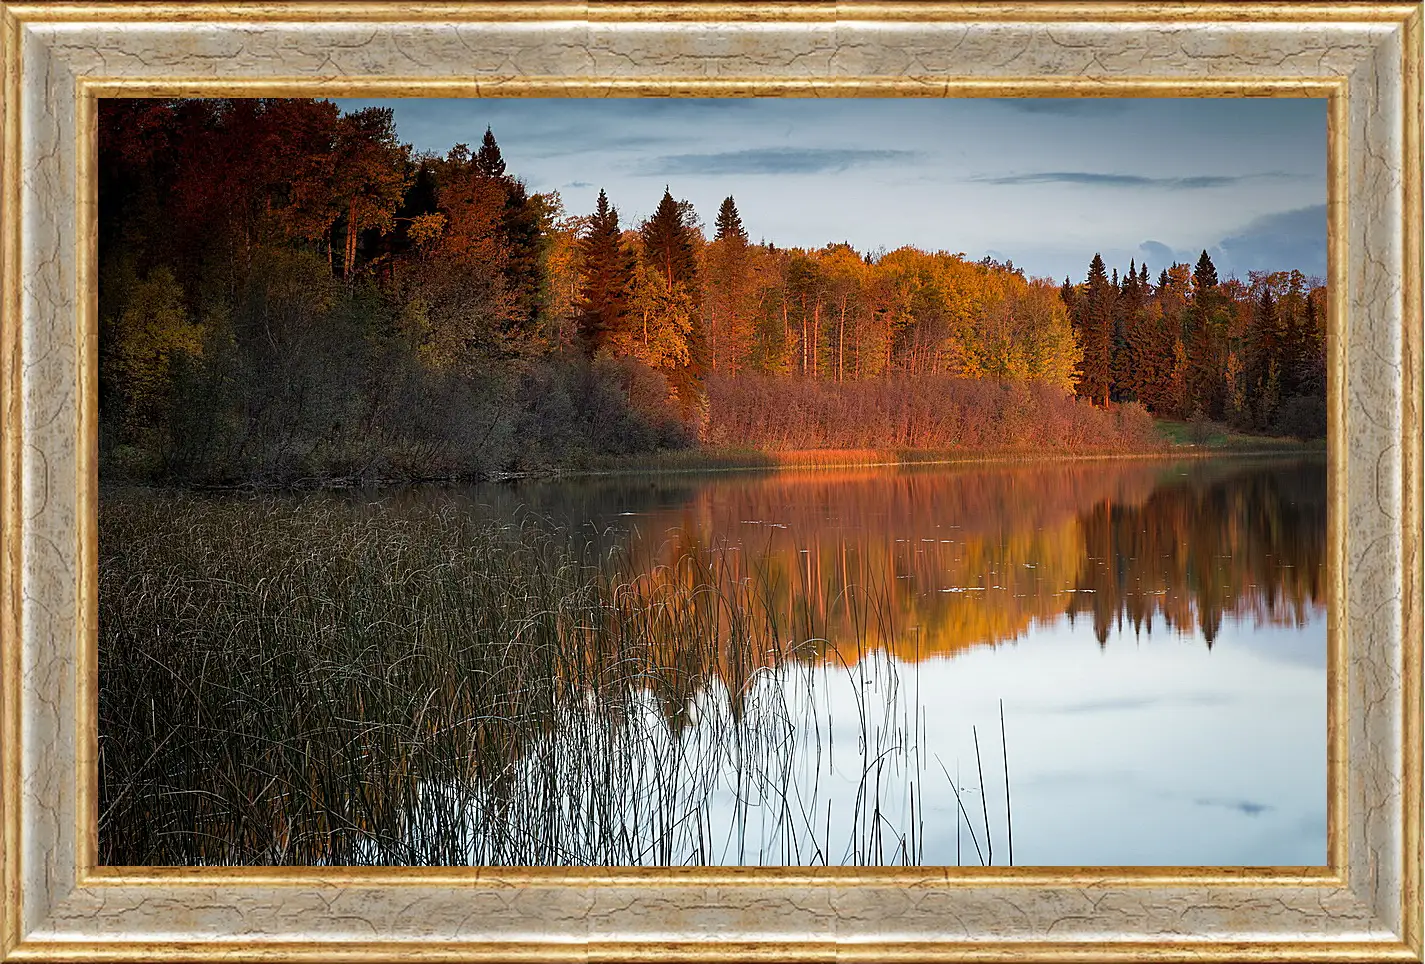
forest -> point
(290, 294)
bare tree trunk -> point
(804, 336)
(786, 329)
(352, 229)
(841, 344)
(816, 339)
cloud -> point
(771, 160)
(1095, 179)
(1158, 253)
(580, 184)
(1280, 242)
(1064, 106)
(1249, 807)
(1283, 241)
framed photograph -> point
(552, 481)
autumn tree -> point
(369, 178)
(669, 305)
(727, 292)
(455, 303)
(155, 334)
(606, 279)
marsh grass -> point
(322, 681)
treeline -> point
(1194, 347)
(287, 291)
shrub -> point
(934, 412)
(1302, 417)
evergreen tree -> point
(603, 304)
(1094, 325)
(1126, 308)
(727, 296)
(668, 243)
(523, 235)
(1313, 373)
(1206, 344)
(729, 222)
(1264, 358)
(1204, 275)
(668, 251)
(488, 161)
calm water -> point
(1151, 635)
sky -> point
(1045, 183)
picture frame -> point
(59, 58)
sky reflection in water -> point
(1082, 595)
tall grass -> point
(317, 681)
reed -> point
(322, 681)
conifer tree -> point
(729, 222)
(727, 295)
(1125, 313)
(521, 235)
(668, 243)
(603, 304)
(488, 161)
(1206, 344)
(1264, 360)
(1094, 316)
(668, 252)
(1204, 275)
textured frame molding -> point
(1365, 905)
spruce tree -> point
(488, 160)
(726, 291)
(602, 306)
(1206, 343)
(668, 250)
(1204, 276)
(668, 243)
(1126, 309)
(1095, 328)
(729, 222)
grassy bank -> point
(315, 681)
(1175, 440)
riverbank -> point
(1172, 440)
(1178, 440)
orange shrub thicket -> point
(923, 412)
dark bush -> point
(1302, 417)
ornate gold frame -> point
(1366, 904)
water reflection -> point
(976, 556)
(923, 576)
(793, 667)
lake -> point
(1045, 663)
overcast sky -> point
(1045, 183)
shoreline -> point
(707, 461)
(781, 461)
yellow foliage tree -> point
(153, 332)
(662, 322)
